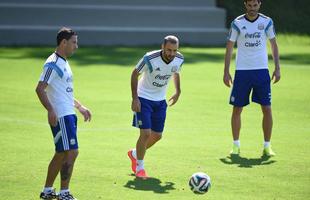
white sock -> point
(237, 142)
(140, 165)
(134, 153)
(266, 144)
(47, 189)
(63, 191)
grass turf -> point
(197, 136)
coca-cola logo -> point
(253, 35)
(162, 77)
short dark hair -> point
(245, 1)
(64, 33)
(172, 39)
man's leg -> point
(52, 172)
(236, 126)
(236, 122)
(150, 141)
(267, 129)
(154, 137)
(141, 147)
(267, 122)
(67, 167)
(53, 169)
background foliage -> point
(289, 16)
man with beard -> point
(149, 97)
(251, 32)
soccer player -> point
(55, 91)
(149, 97)
(251, 32)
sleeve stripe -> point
(234, 26)
(229, 34)
(154, 55)
(55, 67)
(268, 26)
(147, 61)
(47, 74)
(179, 55)
(141, 66)
(181, 64)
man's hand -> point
(85, 112)
(276, 75)
(136, 105)
(227, 79)
(174, 99)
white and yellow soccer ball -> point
(200, 183)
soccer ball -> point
(200, 183)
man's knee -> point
(74, 153)
(71, 155)
(145, 133)
(237, 110)
(266, 110)
(156, 136)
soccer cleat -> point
(141, 174)
(49, 195)
(66, 196)
(235, 150)
(133, 161)
(268, 152)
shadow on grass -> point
(122, 56)
(129, 56)
(150, 184)
(246, 162)
(296, 58)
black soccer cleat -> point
(49, 195)
(66, 196)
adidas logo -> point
(157, 69)
(243, 28)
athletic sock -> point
(63, 191)
(237, 143)
(47, 189)
(140, 165)
(266, 144)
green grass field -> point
(197, 136)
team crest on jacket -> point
(261, 26)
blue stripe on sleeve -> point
(147, 61)
(55, 67)
(141, 66)
(268, 26)
(47, 74)
(234, 26)
(229, 34)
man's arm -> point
(229, 50)
(135, 104)
(40, 90)
(83, 110)
(177, 85)
(276, 75)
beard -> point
(252, 12)
(168, 58)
